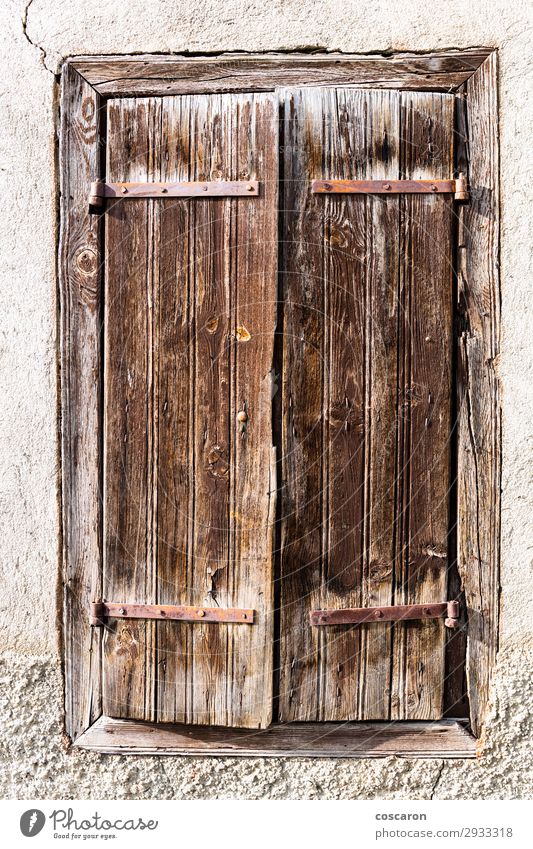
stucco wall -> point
(35, 39)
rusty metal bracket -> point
(396, 613)
(101, 611)
(458, 187)
(100, 190)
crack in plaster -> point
(437, 779)
(30, 41)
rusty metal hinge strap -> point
(457, 187)
(100, 190)
(395, 613)
(101, 611)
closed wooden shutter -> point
(356, 395)
(190, 307)
(367, 284)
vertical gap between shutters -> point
(276, 413)
(102, 166)
(455, 690)
(325, 401)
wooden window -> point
(281, 402)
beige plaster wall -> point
(36, 37)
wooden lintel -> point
(148, 75)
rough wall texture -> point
(36, 37)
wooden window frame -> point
(87, 83)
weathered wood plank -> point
(343, 468)
(254, 311)
(380, 422)
(130, 437)
(444, 739)
(212, 145)
(479, 406)
(120, 76)
(80, 280)
(302, 437)
(426, 125)
(175, 480)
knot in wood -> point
(86, 261)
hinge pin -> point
(461, 187)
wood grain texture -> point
(445, 739)
(365, 447)
(339, 306)
(130, 386)
(302, 436)
(120, 76)
(79, 278)
(175, 402)
(424, 405)
(479, 392)
(190, 317)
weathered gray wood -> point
(479, 406)
(190, 317)
(120, 76)
(380, 420)
(424, 405)
(79, 276)
(130, 408)
(175, 410)
(254, 311)
(445, 739)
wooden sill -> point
(446, 738)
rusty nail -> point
(122, 611)
(378, 614)
(250, 188)
(386, 186)
(242, 416)
(205, 188)
(244, 616)
(427, 611)
(164, 191)
(124, 190)
(433, 188)
(162, 613)
(201, 613)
